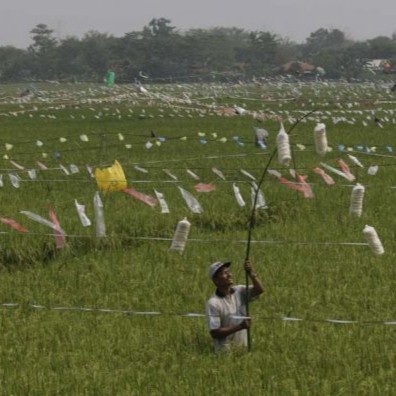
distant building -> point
(302, 70)
(297, 67)
(379, 65)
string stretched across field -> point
(42, 308)
(197, 240)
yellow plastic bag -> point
(111, 178)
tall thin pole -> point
(249, 238)
(252, 220)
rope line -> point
(196, 240)
(38, 307)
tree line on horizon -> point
(163, 53)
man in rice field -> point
(227, 303)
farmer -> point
(227, 302)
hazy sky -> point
(294, 19)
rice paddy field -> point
(110, 309)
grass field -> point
(109, 316)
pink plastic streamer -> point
(147, 199)
(60, 237)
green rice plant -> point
(78, 326)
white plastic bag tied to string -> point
(32, 174)
(168, 172)
(64, 169)
(283, 145)
(320, 139)
(355, 160)
(338, 172)
(90, 171)
(140, 169)
(41, 165)
(274, 172)
(218, 173)
(372, 170)
(249, 175)
(14, 179)
(260, 136)
(260, 201)
(162, 202)
(43, 221)
(85, 221)
(181, 234)
(74, 169)
(373, 240)
(192, 174)
(357, 196)
(191, 201)
(238, 195)
(240, 110)
(20, 167)
(99, 216)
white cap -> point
(216, 266)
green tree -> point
(261, 52)
(98, 53)
(131, 56)
(159, 28)
(71, 60)
(43, 41)
(161, 51)
(161, 48)
(13, 64)
(287, 51)
(323, 39)
(43, 52)
(217, 50)
(381, 47)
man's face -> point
(223, 277)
